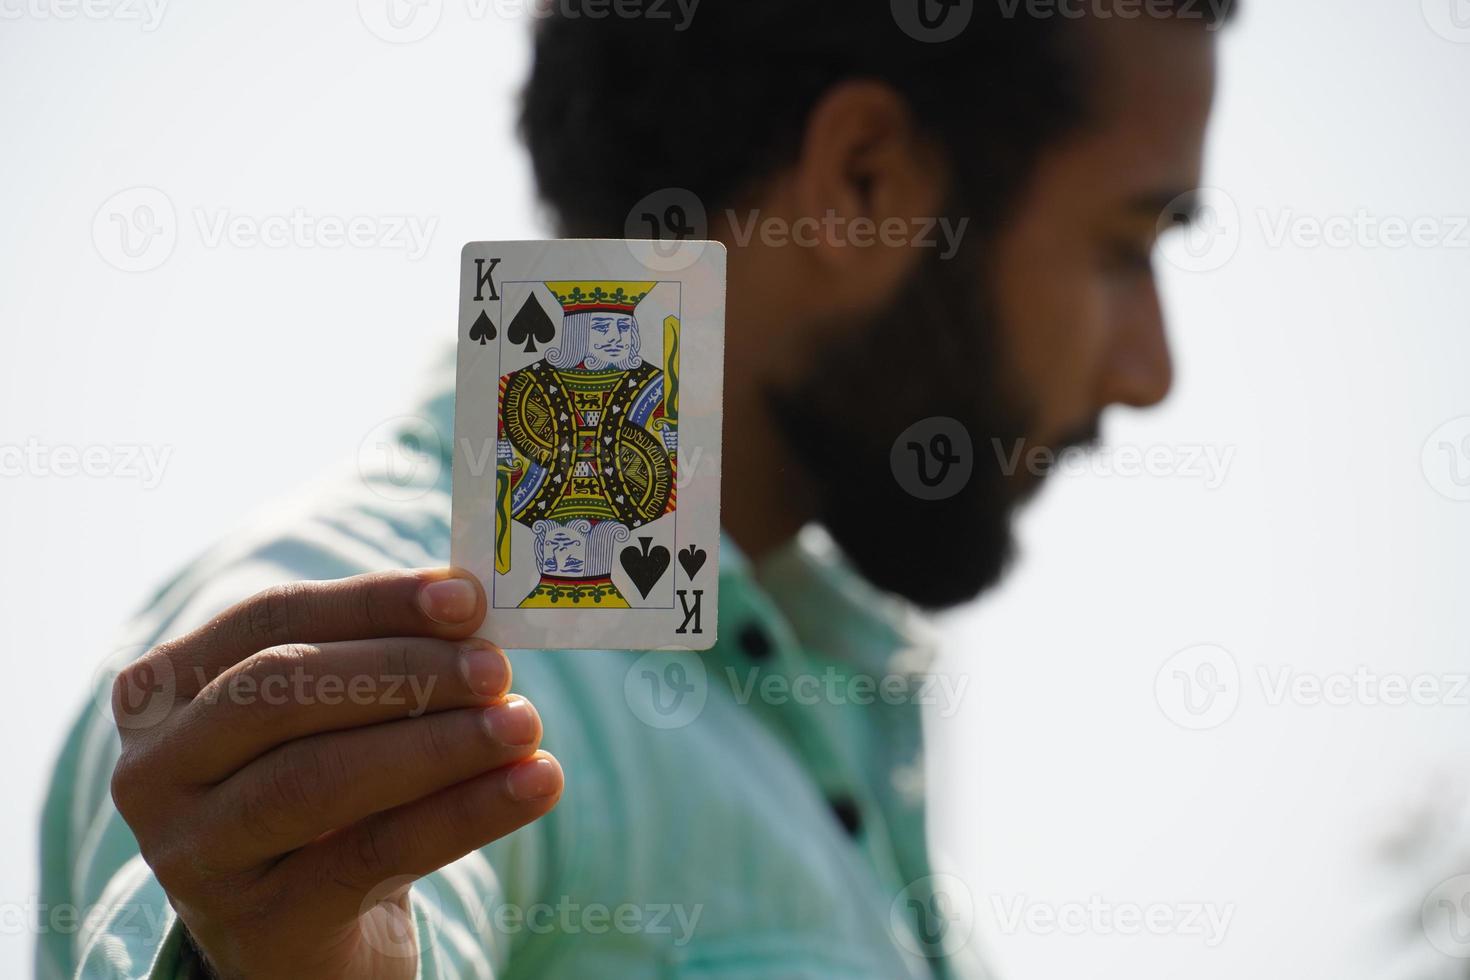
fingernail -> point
(449, 601)
(514, 723)
(534, 780)
(485, 669)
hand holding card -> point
(587, 441)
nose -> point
(1139, 370)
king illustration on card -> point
(589, 438)
(572, 375)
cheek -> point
(1054, 309)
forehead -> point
(1151, 83)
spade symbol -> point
(531, 325)
(692, 559)
(645, 567)
(483, 330)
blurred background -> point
(1215, 725)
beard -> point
(936, 352)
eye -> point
(1129, 257)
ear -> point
(871, 182)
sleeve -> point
(108, 917)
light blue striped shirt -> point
(753, 812)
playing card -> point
(587, 441)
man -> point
(705, 828)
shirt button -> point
(845, 809)
(755, 642)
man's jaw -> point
(1082, 438)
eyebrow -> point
(1179, 206)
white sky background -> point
(1321, 371)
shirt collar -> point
(833, 610)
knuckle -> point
(368, 606)
(124, 785)
(437, 745)
(463, 809)
(280, 660)
(173, 648)
(273, 615)
(254, 907)
(122, 687)
(288, 785)
(138, 686)
(266, 680)
(257, 817)
(397, 662)
(175, 866)
(375, 849)
(294, 775)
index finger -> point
(443, 603)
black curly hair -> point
(716, 101)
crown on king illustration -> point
(607, 297)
